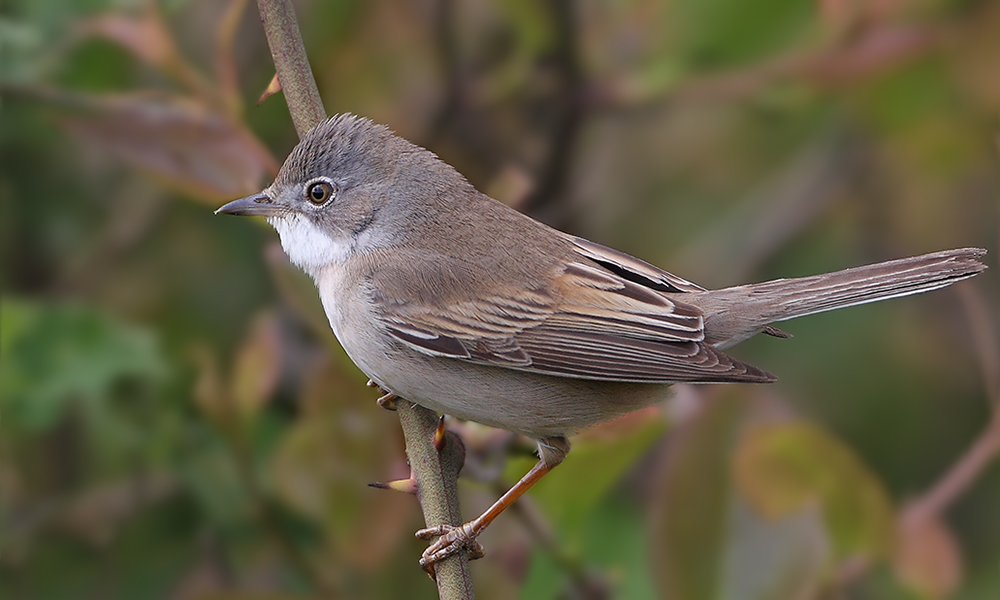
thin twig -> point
(291, 64)
(436, 472)
(985, 448)
(584, 585)
(446, 45)
(554, 174)
(963, 473)
(985, 337)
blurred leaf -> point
(598, 460)
(221, 493)
(143, 34)
(612, 546)
(237, 595)
(209, 394)
(719, 32)
(786, 467)
(878, 50)
(21, 56)
(61, 355)
(707, 542)
(225, 61)
(689, 530)
(323, 464)
(180, 141)
(926, 557)
(97, 513)
(257, 366)
(772, 559)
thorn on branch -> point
(406, 486)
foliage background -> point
(178, 422)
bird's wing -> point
(603, 317)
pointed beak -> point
(254, 205)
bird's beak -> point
(254, 205)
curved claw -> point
(453, 540)
(387, 400)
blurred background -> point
(178, 422)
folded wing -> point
(605, 316)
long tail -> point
(736, 313)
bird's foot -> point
(387, 400)
(453, 540)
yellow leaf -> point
(784, 467)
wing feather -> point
(605, 316)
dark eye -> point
(320, 192)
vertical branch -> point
(447, 49)
(291, 64)
(555, 171)
(436, 472)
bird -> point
(459, 303)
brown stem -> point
(436, 472)
(554, 174)
(437, 489)
(291, 64)
(986, 447)
(447, 50)
(964, 472)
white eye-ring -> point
(320, 191)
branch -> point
(964, 472)
(291, 64)
(436, 472)
(554, 174)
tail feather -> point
(734, 314)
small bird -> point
(459, 303)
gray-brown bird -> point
(456, 302)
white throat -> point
(307, 246)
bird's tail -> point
(759, 304)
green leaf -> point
(786, 467)
(708, 542)
(62, 355)
(571, 491)
(612, 554)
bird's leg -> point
(453, 539)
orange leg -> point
(454, 539)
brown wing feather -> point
(592, 323)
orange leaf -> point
(927, 558)
(257, 366)
(187, 145)
(145, 35)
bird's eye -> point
(320, 192)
